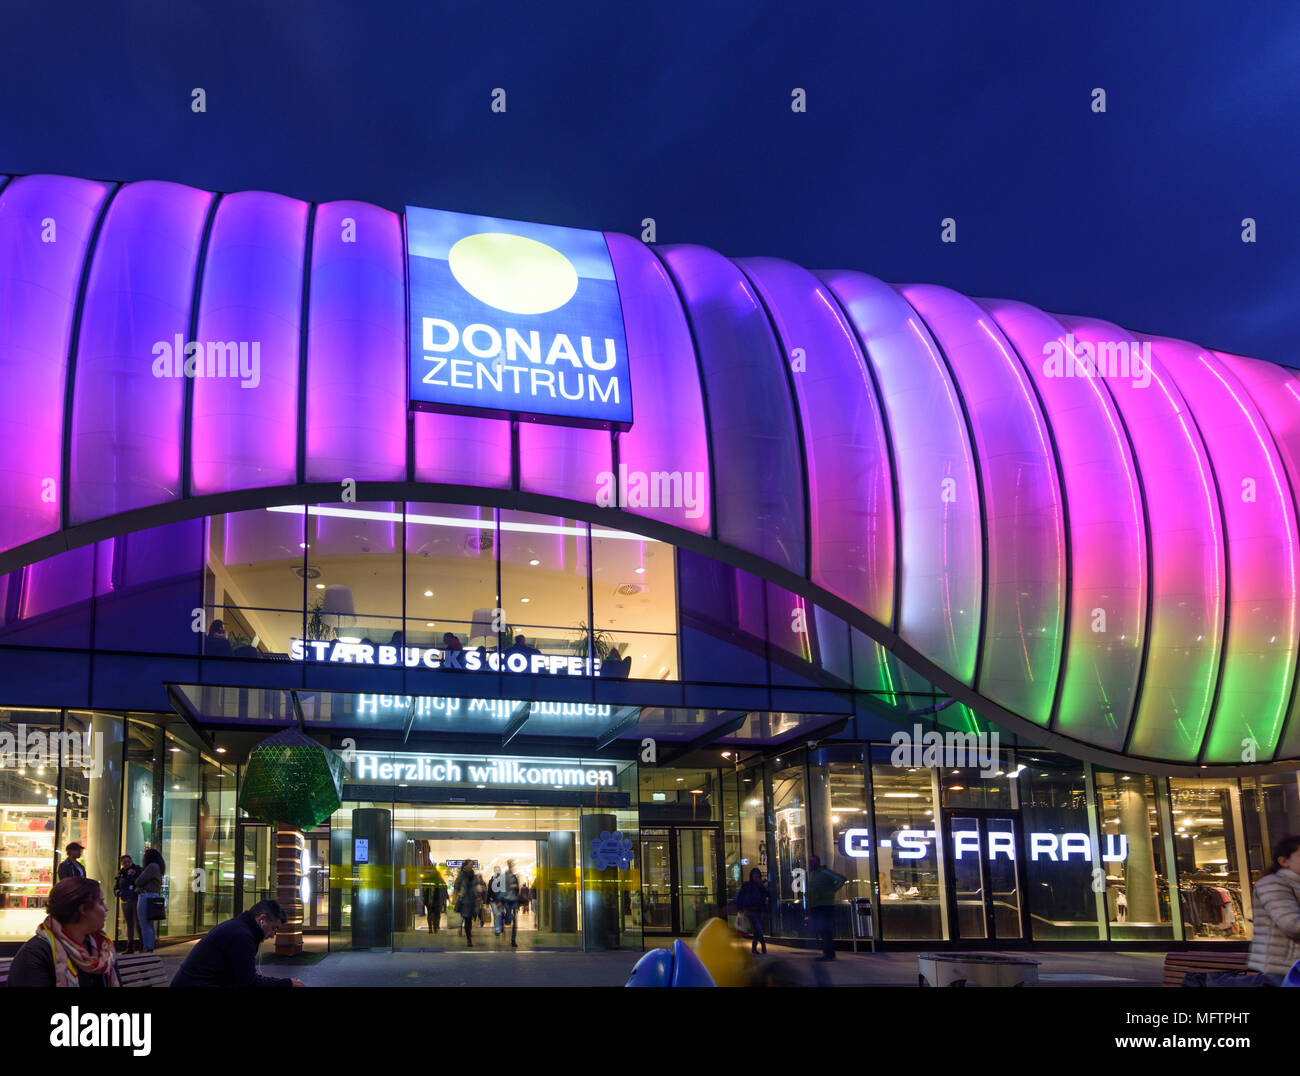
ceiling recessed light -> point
(320, 586)
(221, 750)
(525, 600)
(534, 562)
(303, 545)
(428, 623)
(428, 593)
(640, 571)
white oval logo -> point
(513, 273)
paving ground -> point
(489, 966)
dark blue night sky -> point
(681, 111)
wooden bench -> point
(136, 970)
(1179, 964)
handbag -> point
(742, 923)
(155, 908)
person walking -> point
(124, 890)
(496, 899)
(483, 905)
(1275, 947)
(466, 900)
(435, 899)
(72, 867)
(510, 901)
(227, 954)
(70, 947)
(821, 885)
(148, 885)
(753, 900)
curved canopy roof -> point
(1087, 534)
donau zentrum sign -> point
(511, 318)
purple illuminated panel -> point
(565, 462)
(461, 451)
(245, 423)
(38, 289)
(668, 435)
(1108, 582)
(941, 560)
(852, 509)
(1259, 662)
(758, 477)
(1022, 504)
(356, 346)
(1186, 536)
(1275, 392)
(129, 388)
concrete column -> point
(1140, 869)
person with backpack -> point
(821, 885)
(753, 900)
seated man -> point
(226, 955)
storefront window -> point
(544, 582)
(356, 549)
(1054, 807)
(669, 794)
(92, 795)
(1133, 857)
(634, 598)
(1270, 811)
(1208, 857)
(906, 847)
(28, 806)
(451, 575)
(789, 812)
(255, 581)
(754, 825)
(215, 861)
(180, 836)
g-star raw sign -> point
(489, 772)
(1059, 848)
(509, 318)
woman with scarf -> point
(70, 948)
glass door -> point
(657, 880)
(697, 890)
(984, 858)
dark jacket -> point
(227, 956)
(466, 895)
(149, 880)
(33, 965)
(124, 884)
(71, 868)
(753, 897)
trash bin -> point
(976, 969)
(862, 926)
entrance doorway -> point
(984, 853)
(681, 884)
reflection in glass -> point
(907, 862)
(1137, 885)
(1207, 828)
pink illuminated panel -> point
(755, 443)
(1022, 504)
(849, 477)
(45, 222)
(1259, 663)
(245, 421)
(668, 435)
(129, 383)
(1108, 584)
(938, 498)
(356, 346)
(1274, 391)
(1186, 536)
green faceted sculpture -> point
(292, 780)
